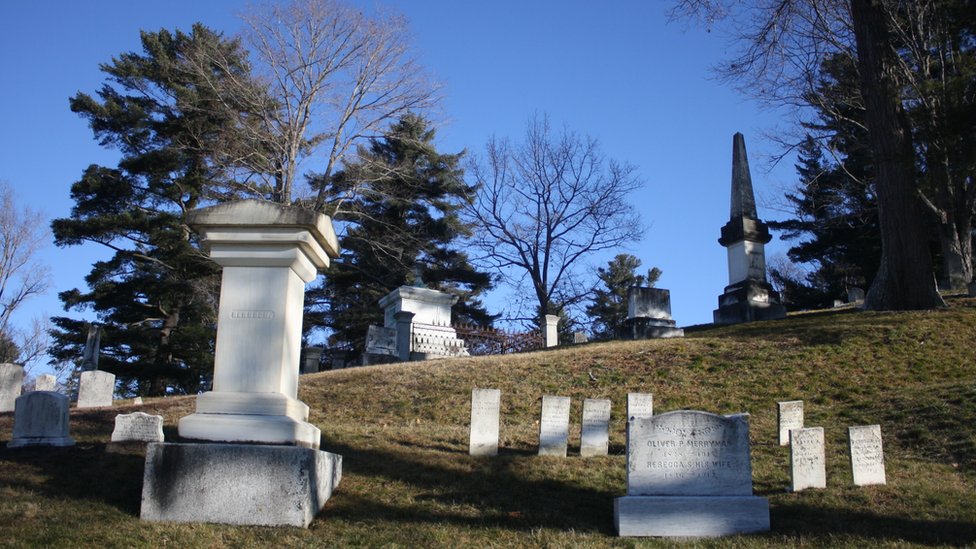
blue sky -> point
(614, 70)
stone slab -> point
(648, 302)
(381, 340)
(237, 484)
(807, 461)
(485, 407)
(554, 426)
(640, 405)
(595, 431)
(690, 516)
(867, 455)
(138, 427)
(789, 415)
(95, 389)
(41, 419)
(689, 453)
(45, 382)
(11, 383)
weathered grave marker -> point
(689, 474)
(138, 427)
(41, 419)
(45, 382)
(11, 383)
(554, 426)
(95, 389)
(552, 330)
(789, 415)
(485, 406)
(640, 405)
(867, 455)
(807, 463)
(595, 432)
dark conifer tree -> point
(608, 305)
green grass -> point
(408, 481)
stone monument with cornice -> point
(253, 456)
(749, 296)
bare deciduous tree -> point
(548, 202)
(22, 275)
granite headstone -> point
(41, 419)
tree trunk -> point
(905, 278)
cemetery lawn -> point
(408, 481)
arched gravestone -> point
(41, 419)
(689, 473)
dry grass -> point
(408, 480)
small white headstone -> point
(11, 382)
(485, 405)
(867, 455)
(640, 405)
(95, 389)
(595, 436)
(554, 426)
(790, 416)
(807, 463)
(45, 382)
(137, 401)
(552, 330)
(41, 419)
(138, 427)
(580, 337)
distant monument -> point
(748, 296)
(416, 326)
(649, 314)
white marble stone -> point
(640, 405)
(552, 330)
(554, 426)
(137, 401)
(807, 463)
(485, 408)
(595, 430)
(138, 427)
(11, 384)
(45, 382)
(95, 389)
(41, 419)
(428, 306)
(237, 484)
(867, 455)
(789, 415)
(268, 253)
(428, 333)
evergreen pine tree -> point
(608, 306)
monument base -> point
(237, 484)
(748, 301)
(23, 442)
(249, 428)
(650, 328)
(690, 516)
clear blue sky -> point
(614, 70)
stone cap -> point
(252, 213)
(744, 228)
(420, 294)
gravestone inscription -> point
(867, 455)
(807, 464)
(138, 427)
(595, 433)
(485, 405)
(554, 426)
(790, 416)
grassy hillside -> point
(408, 481)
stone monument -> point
(748, 296)
(551, 333)
(41, 419)
(421, 318)
(595, 427)
(11, 384)
(789, 415)
(310, 359)
(95, 389)
(485, 407)
(649, 314)
(867, 455)
(639, 405)
(46, 382)
(138, 427)
(807, 463)
(554, 426)
(689, 474)
(268, 253)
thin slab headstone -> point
(41, 419)
(138, 427)
(867, 455)
(45, 382)
(554, 426)
(95, 389)
(595, 432)
(137, 401)
(640, 405)
(11, 383)
(485, 406)
(789, 415)
(807, 462)
(689, 474)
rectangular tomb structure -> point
(595, 435)
(554, 426)
(689, 474)
(867, 455)
(485, 405)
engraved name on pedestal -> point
(790, 416)
(595, 433)
(554, 426)
(485, 404)
(807, 464)
(867, 455)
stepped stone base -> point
(237, 484)
(690, 516)
(649, 328)
(748, 301)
